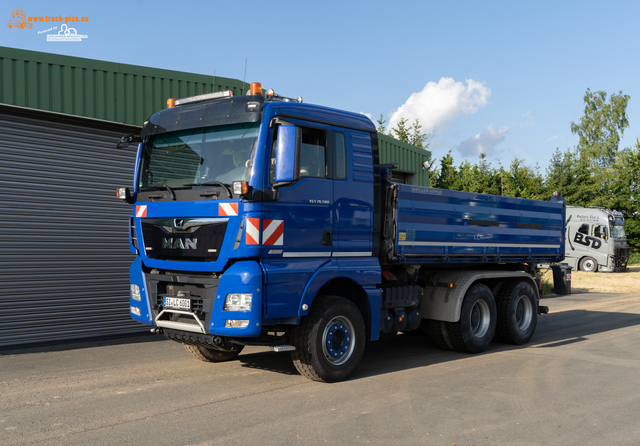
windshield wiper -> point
(159, 186)
(225, 186)
(173, 194)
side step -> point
(281, 348)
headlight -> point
(237, 302)
(135, 292)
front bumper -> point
(207, 294)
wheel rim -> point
(524, 312)
(480, 318)
(338, 340)
(588, 265)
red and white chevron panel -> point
(273, 233)
(252, 231)
(141, 211)
(228, 209)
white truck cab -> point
(595, 240)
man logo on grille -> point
(178, 243)
(178, 223)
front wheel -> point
(208, 354)
(589, 265)
(330, 340)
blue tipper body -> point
(436, 225)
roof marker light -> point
(171, 102)
(256, 88)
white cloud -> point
(527, 120)
(554, 137)
(441, 102)
(484, 142)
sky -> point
(504, 78)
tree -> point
(417, 138)
(411, 134)
(523, 182)
(381, 124)
(446, 175)
(602, 126)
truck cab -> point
(596, 240)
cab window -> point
(313, 159)
(600, 231)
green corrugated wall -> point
(408, 157)
(97, 89)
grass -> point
(581, 282)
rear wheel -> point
(208, 354)
(330, 341)
(477, 325)
(589, 265)
(517, 309)
(438, 335)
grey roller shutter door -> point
(64, 255)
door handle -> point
(327, 238)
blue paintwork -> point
(136, 277)
(241, 277)
(353, 197)
(437, 221)
(338, 340)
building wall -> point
(64, 262)
(96, 89)
(408, 157)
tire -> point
(517, 308)
(211, 354)
(437, 335)
(477, 325)
(330, 341)
(589, 265)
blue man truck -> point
(260, 220)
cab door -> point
(297, 228)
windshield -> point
(617, 231)
(192, 157)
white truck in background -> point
(595, 240)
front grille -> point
(199, 242)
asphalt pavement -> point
(576, 383)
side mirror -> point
(287, 158)
(127, 139)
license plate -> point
(177, 302)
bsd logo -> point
(587, 240)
